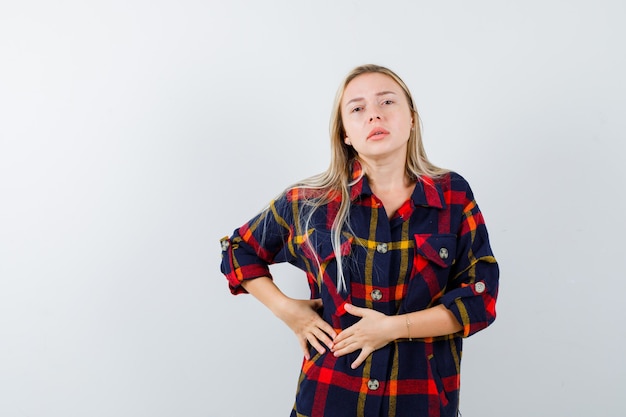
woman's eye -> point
(357, 109)
(388, 102)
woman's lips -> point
(377, 133)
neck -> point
(389, 183)
(386, 175)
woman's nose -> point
(374, 116)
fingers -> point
(342, 336)
(310, 328)
(316, 338)
(326, 334)
(354, 310)
(365, 335)
(328, 330)
(322, 337)
(316, 345)
(319, 332)
(346, 347)
(345, 343)
(361, 358)
(305, 348)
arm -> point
(246, 257)
(300, 315)
(376, 329)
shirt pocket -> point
(320, 261)
(317, 246)
(439, 249)
(433, 257)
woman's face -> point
(376, 117)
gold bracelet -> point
(408, 328)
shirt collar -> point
(426, 193)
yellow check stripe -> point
(373, 244)
(300, 239)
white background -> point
(135, 134)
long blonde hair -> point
(337, 179)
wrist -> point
(408, 323)
(280, 306)
(398, 327)
(404, 327)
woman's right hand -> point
(303, 319)
(301, 316)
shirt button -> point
(479, 287)
(443, 253)
(381, 248)
(373, 384)
(376, 294)
(225, 244)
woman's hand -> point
(303, 319)
(300, 315)
(370, 333)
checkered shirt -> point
(434, 250)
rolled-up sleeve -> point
(473, 287)
(262, 241)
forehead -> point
(369, 84)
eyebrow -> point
(382, 93)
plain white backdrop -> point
(135, 134)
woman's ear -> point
(347, 141)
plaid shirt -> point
(434, 250)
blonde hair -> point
(337, 180)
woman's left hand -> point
(368, 334)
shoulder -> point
(315, 196)
(451, 179)
(455, 188)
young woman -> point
(397, 257)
